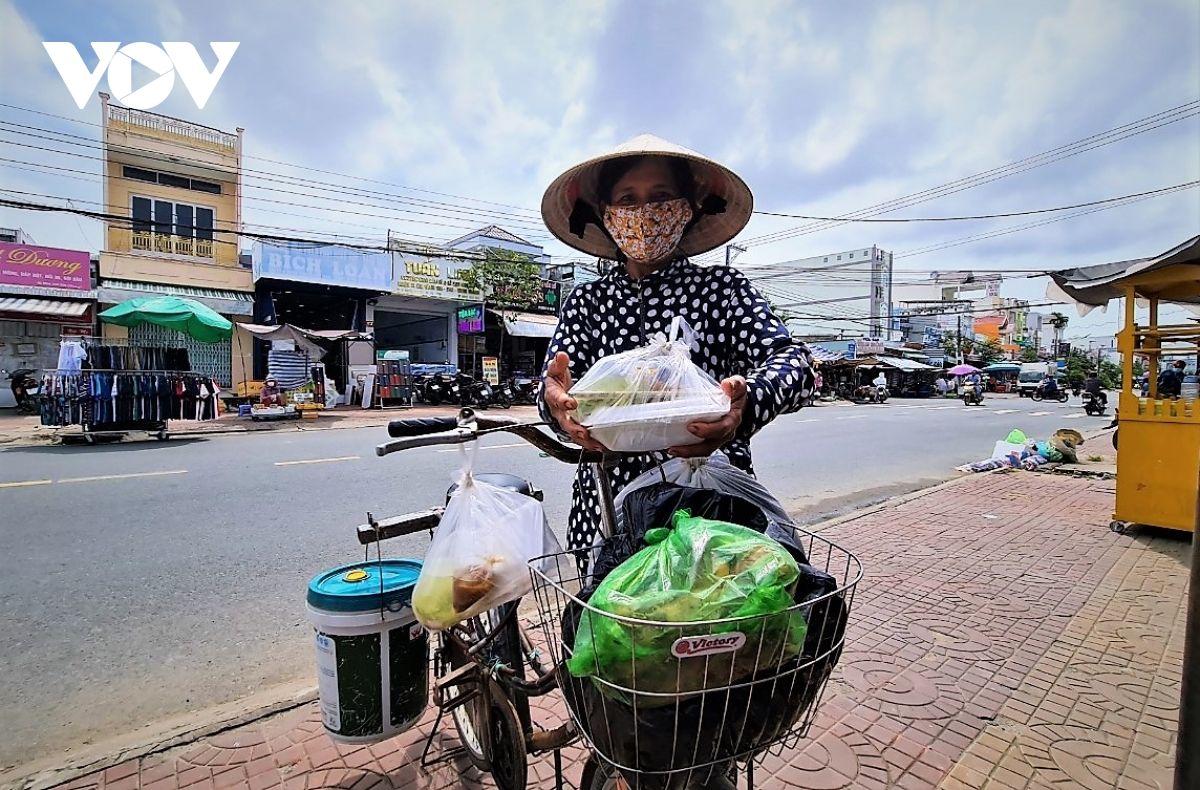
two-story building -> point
(179, 185)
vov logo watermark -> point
(173, 57)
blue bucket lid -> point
(356, 588)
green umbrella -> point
(174, 312)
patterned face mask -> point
(649, 232)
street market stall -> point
(111, 386)
(1158, 456)
(1002, 376)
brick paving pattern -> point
(1001, 638)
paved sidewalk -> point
(1003, 638)
(16, 430)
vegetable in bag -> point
(642, 400)
(696, 570)
(479, 557)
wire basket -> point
(731, 690)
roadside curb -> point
(169, 734)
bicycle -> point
(488, 668)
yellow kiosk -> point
(1158, 454)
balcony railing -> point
(144, 241)
(173, 126)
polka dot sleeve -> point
(572, 337)
(778, 370)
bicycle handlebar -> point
(428, 431)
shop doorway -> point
(425, 337)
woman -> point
(648, 205)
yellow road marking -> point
(122, 477)
(320, 460)
(23, 483)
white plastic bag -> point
(716, 473)
(479, 557)
(642, 400)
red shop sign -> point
(44, 267)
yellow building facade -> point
(176, 187)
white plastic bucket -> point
(372, 663)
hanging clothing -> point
(71, 356)
(98, 399)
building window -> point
(165, 226)
(171, 180)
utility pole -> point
(960, 340)
(730, 250)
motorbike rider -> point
(1049, 387)
(648, 206)
(1093, 387)
(880, 381)
(1170, 381)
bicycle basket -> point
(665, 740)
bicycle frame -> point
(474, 680)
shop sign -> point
(491, 370)
(391, 355)
(869, 346)
(470, 320)
(431, 278)
(45, 267)
(369, 270)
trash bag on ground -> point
(479, 556)
(713, 725)
(642, 400)
(696, 570)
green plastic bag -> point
(695, 570)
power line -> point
(331, 198)
(286, 164)
(1149, 193)
(123, 221)
(1100, 139)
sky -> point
(453, 115)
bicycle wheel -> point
(510, 763)
(599, 775)
(470, 718)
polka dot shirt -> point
(736, 332)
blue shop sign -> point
(325, 264)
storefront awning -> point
(223, 301)
(43, 307)
(528, 324)
(907, 365)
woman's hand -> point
(557, 384)
(718, 432)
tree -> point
(990, 351)
(508, 281)
(1059, 322)
(1110, 374)
(1028, 354)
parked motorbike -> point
(502, 395)
(1061, 395)
(1093, 404)
(972, 395)
(25, 389)
(881, 394)
(436, 389)
(524, 389)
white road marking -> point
(810, 419)
(122, 477)
(1073, 416)
(23, 483)
(1005, 411)
(939, 408)
(852, 417)
(1038, 413)
(320, 460)
(489, 447)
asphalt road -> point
(149, 580)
